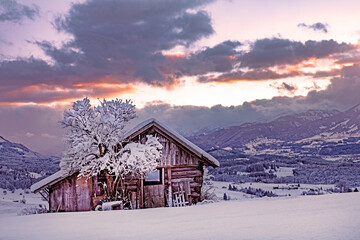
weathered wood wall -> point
(154, 196)
(192, 175)
(71, 194)
(172, 153)
(178, 161)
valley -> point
(319, 146)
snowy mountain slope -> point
(15, 150)
(330, 217)
(285, 128)
(20, 167)
(315, 132)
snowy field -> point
(330, 217)
(12, 203)
(282, 190)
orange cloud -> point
(174, 54)
(43, 94)
(251, 75)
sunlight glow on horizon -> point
(244, 21)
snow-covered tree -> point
(95, 142)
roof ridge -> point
(177, 135)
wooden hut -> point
(176, 182)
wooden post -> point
(50, 192)
(133, 200)
(137, 194)
(141, 192)
(163, 176)
(163, 194)
(44, 195)
(58, 208)
(170, 188)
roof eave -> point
(34, 188)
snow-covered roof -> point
(56, 177)
(48, 181)
(182, 140)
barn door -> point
(154, 196)
(83, 192)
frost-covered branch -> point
(95, 141)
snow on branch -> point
(95, 141)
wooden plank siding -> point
(173, 153)
(71, 194)
(184, 164)
(154, 196)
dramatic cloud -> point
(330, 73)
(27, 72)
(285, 87)
(268, 59)
(341, 94)
(256, 74)
(343, 91)
(289, 87)
(116, 45)
(47, 94)
(12, 11)
(348, 57)
(61, 56)
(127, 42)
(270, 52)
(38, 127)
(125, 45)
(322, 27)
(220, 58)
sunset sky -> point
(194, 64)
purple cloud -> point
(321, 27)
(12, 11)
(270, 52)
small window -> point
(153, 177)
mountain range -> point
(331, 134)
(20, 167)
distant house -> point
(177, 180)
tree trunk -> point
(110, 184)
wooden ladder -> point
(179, 197)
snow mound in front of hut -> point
(331, 216)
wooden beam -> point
(178, 166)
(170, 187)
(141, 193)
(45, 196)
(163, 176)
